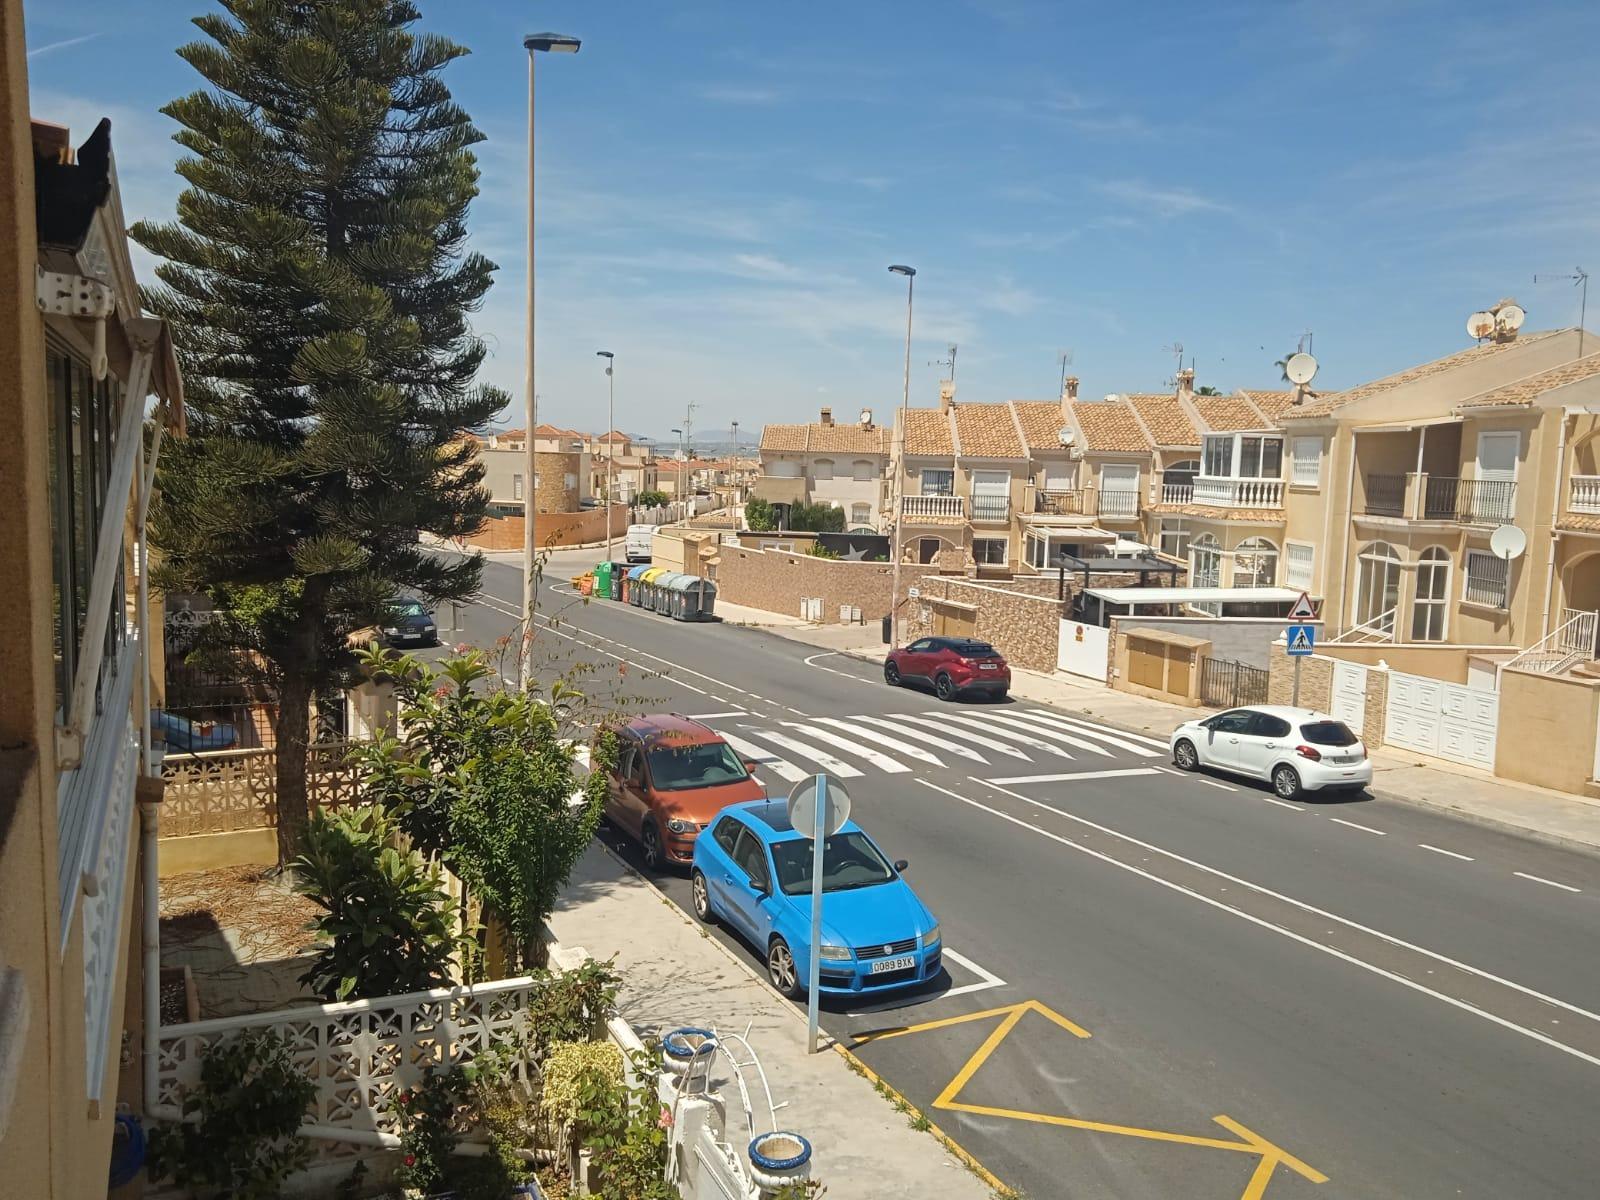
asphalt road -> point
(1163, 985)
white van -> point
(637, 547)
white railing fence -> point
(932, 506)
(1585, 494)
(1379, 629)
(1564, 647)
(1177, 493)
(1239, 493)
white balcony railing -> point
(1177, 493)
(991, 509)
(933, 506)
(1239, 493)
(1119, 502)
(1585, 494)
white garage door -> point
(1448, 720)
(1349, 701)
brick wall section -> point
(554, 529)
(1025, 628)
(776, 581)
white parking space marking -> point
(765, 758)
(1071, 775)
(1213, 783)
(805, 750)
(813, 664)
(1282, 803)
(919, 735)
(1039, 729)
(965, 735)
(883, 762)
(1133, 742)
(1027, 739)
(986, 980)
(733, 712)
(852, 725)
(1565, 887)
(1353, 825)
(1446, 853)
(989, 979)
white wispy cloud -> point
(64, 43)
(1160, 201)
(732, 93)
(1007, 297)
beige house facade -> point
(826, 462)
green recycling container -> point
(602, 580)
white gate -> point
(1448, 720)
(1349, 699)
(1084, 650)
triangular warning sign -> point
(1301, 640)
(1303, 609)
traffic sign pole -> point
(1295, 700)
(819, 836)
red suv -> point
(953, 665)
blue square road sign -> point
(1302, 639)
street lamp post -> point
(733, 475)
(611, 444)
(899, 463)
(683, 465)
(559, 44)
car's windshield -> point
(706, 764)
(1328, 733)
(407, 608)
(849, 861)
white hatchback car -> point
(1295, 749)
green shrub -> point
(569, 1006)
(651, 499)
(569, 1067)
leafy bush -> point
(651, 499)
(386, 923)
(758, 515)
(626, 1134)
(568, 1006)
(566, 1072)
(816, 518)
(478, 1094)
(250, 1102)
(818, 550)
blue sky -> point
(722, 185)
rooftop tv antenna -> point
(1066, 361)
(947, 362)
(1580, 279)
(1176, 350)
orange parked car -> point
(673, 776)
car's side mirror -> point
(901, 865)
(749, 766)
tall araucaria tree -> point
(318, 283)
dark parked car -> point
(951, 665)
(409, 623)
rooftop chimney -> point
(1186, 383)
(947, 394)
(827, 416)
(1069, 389)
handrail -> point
(1379, 629)
(1571, 642)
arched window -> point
(822, 468)
(864, 470)
(1205, 562)
(1432, 602)
(1378, 589)
(1255, 563)
(861, 514)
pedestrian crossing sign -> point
(1302, 639)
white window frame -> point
(1299, 565)
(1421, 606)
(943, 484)
(861, 513)
(1264, 548)
(516, 487)
(1499, 577)
(1306, 458)
(1005, 552)
(1178, 530)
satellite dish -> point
(1508, 542)
(1510, 317)
(866, 416)
(1065, 436)
(803, 807)
(1300, 368)
(1480, 325)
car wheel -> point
(944, 687)
(650, 842)
(782, 970)
(891, 674)
(1000, 696)
(1185, 757)
(1286, 781)
(701, 896)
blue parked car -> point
(753, 873)
(185, 736)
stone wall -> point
(1237, 639)
(1316, 690)
(554, 529)
(777, 581)
(1025, 628)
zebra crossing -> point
(897, 743)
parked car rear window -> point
(973, 649)
(1328, 733)
(849, 861)
(708, 764)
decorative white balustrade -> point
(1177, 493)
(1119, 502)
(1568, 644)
(933, 506)
(1239, 493)
(1585, 494)
(220, 791)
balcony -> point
(1075, 503)
(1239, 493)
(991, 510)
(1584, 496)
(1469, 501)
(1386, 496)
(1177, 493)
(934, 508)
(1119, 502)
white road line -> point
(1136, 743)
(851, 725)
(1026, 739)
(1282, 803)
(976, 738)
(1300, 904)
(1093, 726)
(1446, 853)
(1213, 783)
(1263, 923)
(883, 762)
(805, 750)
(918, 735)
(812, 663)
(732, 712)
(1565, 887)
(1353, 825)
(989, 979)
(1071, 775)
(598, 650)
(765, 758)
(1082, 743)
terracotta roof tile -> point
(1227, 414)
(928, 433)
(1525, 391)
(848, 439)
(1270, 516)
(1325, 405)
(1165, 418)
(1583, 522)
(1109, 425)
(1041, 422)
(987, 431)
(783, 437)
(1274, 404)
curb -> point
(962, 1155)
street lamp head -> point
(557, 43)
(604, 354)
(901, 269)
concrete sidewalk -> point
(1557, 818)
(674, 974)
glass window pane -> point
(1271, 458)
(1249, 458)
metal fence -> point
(1228, 684)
